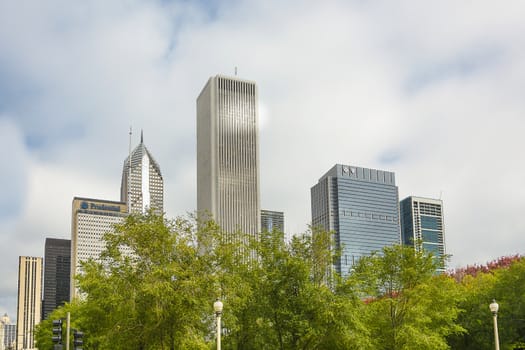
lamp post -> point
(217, 306)
(494, 309)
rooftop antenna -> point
(235, 70)
(128, 201)
(440, 194)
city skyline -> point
(434, 97)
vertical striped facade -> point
(361, 206)
(7, 333)
(228, 154)
(57, 274)
(29, 310)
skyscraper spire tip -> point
(141, 136)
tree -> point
(504, 280)
(156, 280)
(152, 289)
(409, 306)
(43, 331)
(281, 300)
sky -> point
(431, 90)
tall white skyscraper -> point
(143, 186)
(92, 218)
(228, 154)
(29, 309)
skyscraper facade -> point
(57, 274)
(142, 186)
(4, 320)
(10, 336)
(272, 220)
(91, 219)
(29, 308)
(361, 206)
(7, 333)
(228, 154)
(422, 225)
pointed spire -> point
(141, 136)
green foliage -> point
(504, 282)
(154, 298)
(281, 301)
(157, 279)
(409, 306)
(43, 331)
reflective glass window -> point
(430, 236)
(433, 248)
(429, 222)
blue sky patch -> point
(462, 65)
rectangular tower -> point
(91, 219)
(7, 333)
(10, 336)
(271, 220)
(29, 309)
(422, 222)
(57, 267)
(361, 206)
(228, 154)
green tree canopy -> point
(409, 306)
(504, 280)
(281, 300)
(152, 289)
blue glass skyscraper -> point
(361, 206)
(422, 225)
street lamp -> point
(494, 309)
(217, 306)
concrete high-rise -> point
(29, 308)
(361, 206)
(272, 220)
(10, 336)
(57, 274)
(142, 186)
(422, 223)
(91, 219)
(7, 333)
(228, 154)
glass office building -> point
(361, 206)
(57, 274)
(272, 220)
(422, 221)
